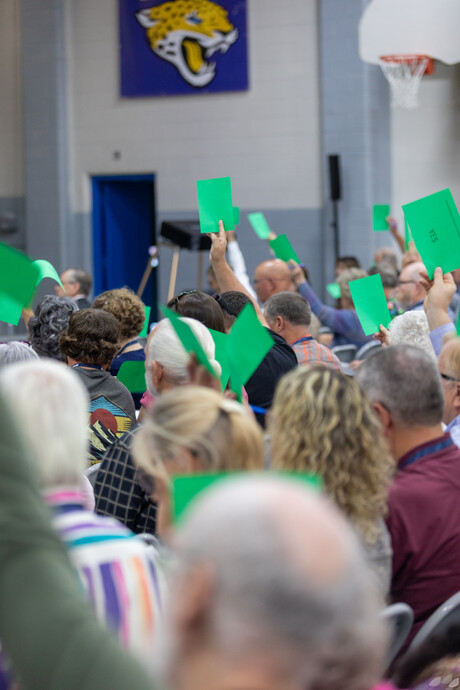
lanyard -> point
(303, 340)
(131, 342)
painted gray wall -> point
(355, 125)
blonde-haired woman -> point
(191, 430)
(321, 422)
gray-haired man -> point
(404, 386)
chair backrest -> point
(444, 616)
(346, 353)
(400, 618)
(91, 473)
(368, 349)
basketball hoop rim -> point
(409, 59)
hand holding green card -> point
(380, 213)
(259, 225)
(435, 226)
(215, 204)
(283, 249)
(370, 303)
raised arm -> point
(224, 275)
(393, 228)
(440, 291)
(237, 263)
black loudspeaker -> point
(334, 177)
(185, 234)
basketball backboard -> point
(401, 27)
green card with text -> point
(370, 303)
(434, 222)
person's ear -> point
(193, 601)
(384, 417)
(278, 324)
(158, 374)
(456, 401)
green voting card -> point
(185, 488)
(10, 310)
(145, 328)
(220, 342)
(236, 215)
(188, 339)
(247, 345)
(334, 290)
(132, 374)
(259, 225)
(18, 275)
(215, 204)
(435, 226)
(380, 212)
(46, 270)
(283, 249)
(370, 303)
(407, 234)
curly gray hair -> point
(51, 317)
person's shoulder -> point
(281, 346)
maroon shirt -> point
(424, 523)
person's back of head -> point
(50, 319)
(284, 598)
(166, 350)
(232, 304)
(290, 306)
(387, 257)
(79, 275)
(16, 351)
(343, 280)
(91, 337)
(411, 328)
(343, 263)
(196, 304)
(52, 406)
(388, 275)
(126, 306)
(405, 381)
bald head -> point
(409, 291)
(271, 277)
(289, 582)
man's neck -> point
(408, 439)
(294, 333)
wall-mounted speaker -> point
(334, 177)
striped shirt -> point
(119, 571)
(308, 351)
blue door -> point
(123, 231)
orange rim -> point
(409, 59)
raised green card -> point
(215, 204)
(283, 249)
(188, 339)
(334, 290)
(435, 226)
(46, 270)
(144, 332)
(18, 275)
(221, 343)
(259, 225)
(132, 374)
(236, 215)
(10, 310)
(407, 234)
(185, 488)
(380, 212)
(370, 303)
(247, 345)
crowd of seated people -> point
(268, 578)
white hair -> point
(51, 404)
(165, 348)
(290, 577)
(411, 328)
(15, 351)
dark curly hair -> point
(51, 317)
(91, 337)
(127, 307)
(200, 306)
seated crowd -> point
(343, 494)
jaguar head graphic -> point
(188, 33)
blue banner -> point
(182, 47)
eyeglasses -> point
(182, 294)
(448, 378)
(224, 305)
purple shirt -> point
(343, 322)
(424, 520)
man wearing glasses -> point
(449, 368)
(409, 292)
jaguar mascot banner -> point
(182, 47)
